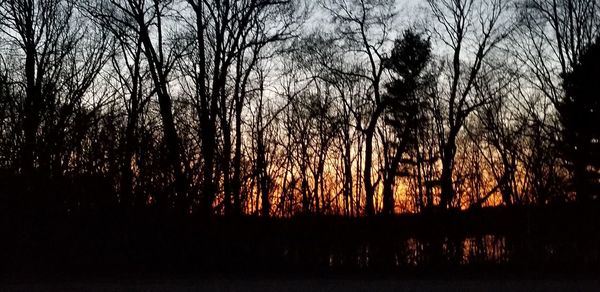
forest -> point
(332, 109)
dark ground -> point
(306, 284)
(554, 248)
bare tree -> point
(229, 38)
(146, 20)
(364, 27)
(50, 43)
(130, 76)
(470, 29)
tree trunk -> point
(388, 184)
(31, 120)
(226, 156)
(126, 171)
(369, 188)
(446, 180)
(169, 131)
(237, 159)
(347, 174)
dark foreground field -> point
(518, 249)
(301, 285)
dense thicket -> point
(293, 107)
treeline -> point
(279, 108)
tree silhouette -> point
(580, 117)
(459, 21)
(357, 21)
(408, 60)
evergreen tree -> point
(580, 117)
